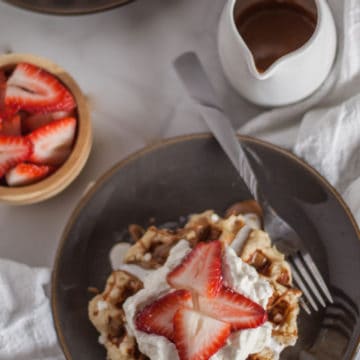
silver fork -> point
(306, 275)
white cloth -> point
(26, 326)
(325, 128)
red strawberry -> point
(13, 150)
(2, 89)
(25, 174)
(52, 143)
(197, 336)
(200, 271)
(11, 126)
(157, 318)
(35, 90)
(233, 308)
(36, 121)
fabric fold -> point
(26, 325)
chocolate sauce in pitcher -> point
(272, 29)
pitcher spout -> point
(271, 30)
(277, 52)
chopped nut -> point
(136, 232)
(245, 207)
(93, 290)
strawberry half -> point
(11, 125)
(233, 308)
(197, 336)
(33, 122)
(26, 174)
(35, 90)
(200, 271)
(13, 150)
(52, 143)
(157, 318)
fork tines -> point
(309, 280)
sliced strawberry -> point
(157, 318)
(233, 308)
(35, 90)
(13, 150)
(7, 112)
(200, 271)
(11, 126)
(2, 89)
(26, 174)
(33, 122)
(197, 336)
(52, 143)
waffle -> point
(266, 354)
(283, 307)
(151, 250)
(107, 315)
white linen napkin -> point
(26, 327)
(324, 129)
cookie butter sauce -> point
(272, 29)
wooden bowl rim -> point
(67, 172)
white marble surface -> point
(122, 60)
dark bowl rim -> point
(46, 10)
(158, 145)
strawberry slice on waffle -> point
(34, 90)
(200, 271)
(157, 318)
(198, 336)
(199, 318)
(233, 308)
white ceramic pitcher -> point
(290, 78)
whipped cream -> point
(155, 285)
(117, 254)
(238, 275)
(244, 279)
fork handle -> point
(192, 74)
(222, 129)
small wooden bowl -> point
(58, 181)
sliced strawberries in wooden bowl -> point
(45, 129)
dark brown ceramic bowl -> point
(68, 7)
(190, 174)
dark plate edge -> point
(49, 11)
(166, 142)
